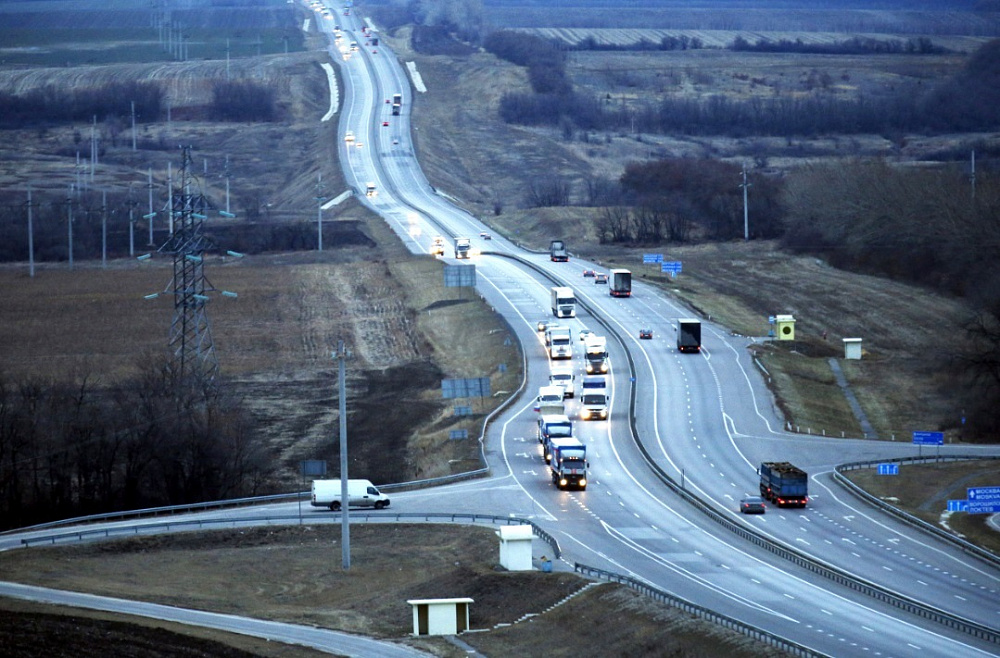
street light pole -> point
(345, 522)
(746, 216)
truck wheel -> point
(335, 506)
(379, 504)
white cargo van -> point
(360, 493)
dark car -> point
(601, 278)
(753, 505)
(589, 273)
(646, 334)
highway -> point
(704, 420)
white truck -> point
(563, 302)
(371, 190)
(621, 283)
(560, 342)
(594, 398)
(463, 248)
(595, 352)
(563, 378)
(550, 401)
(360, 493)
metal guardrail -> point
(357, 517)
(747, 630)
(956, 541)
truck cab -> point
(563, 378)
(560, 342)
(371, 190)
(594, 398)
(568, 463)
(463, 248)
(595, 351)
(550, 401)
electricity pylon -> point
(190, 331)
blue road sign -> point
(888, 469)
(928, 438)
(673, 267)
(457, 435)
(652, 258)
(958, 505)
(984, 495)
(983, 508)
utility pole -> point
(133, 126)
(104, 229)
(345, 523)
(972, 176)
(746, 216)
(319, 210)
(151, 214)
(31, 238)
(69, 224)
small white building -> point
(852, 348)
(515, 547)
(440, 616)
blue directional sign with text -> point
(928, 438)
(673, 267)
(652, 258)
(984, 500)
(888, 469)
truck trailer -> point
(552, 427)
(688, 335)
(784, 484)
(621, 283)
(568, 463)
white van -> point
(360, 493)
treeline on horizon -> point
(969, 101)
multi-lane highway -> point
(704, 420)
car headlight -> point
(562, 482)
(583, 482)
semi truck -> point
(688, 335)
(594, 398)
(784, 484)
(621, 283)
(560, 342)
(463, 246)
(397, 103)
(437, 246)
(371, 190)
(595, 352)
(360, 493)
(557, 251)
(568, 463)
(563, 302)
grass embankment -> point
(294, 574)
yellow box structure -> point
(785, 326)
(440, 616)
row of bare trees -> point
(76, 447)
